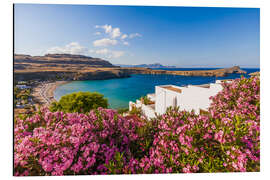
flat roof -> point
(224, 80)
(203, 85)
(172, 88)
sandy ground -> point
(44, 93)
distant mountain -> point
(155, 65)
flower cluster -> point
(227, 139)
(70, 143)
(236, 113)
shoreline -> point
(44, 92)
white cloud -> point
(109, 53)
(102, 51)
(124, 36)
(104, 42)
(117, 54)
(71, 48)
(115, 33)
(134, 35)
(76, 48)
(91, 51)
(126, 43)
(107, 28)
(97, 33)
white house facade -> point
(191, 97)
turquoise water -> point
(120, 91)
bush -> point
(226, 140)
(80, 102)
(122, 110)
(136, 111)
(70, 143)
(145, 100)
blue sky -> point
(181, 36)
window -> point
(174, 102)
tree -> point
(80, 102)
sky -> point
(179, 36)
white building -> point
(191, 97)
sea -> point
(120, 91)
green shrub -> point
(145, 100)
(122, 110)
(80, 102)
(136, 111)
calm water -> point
(120, 91)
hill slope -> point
(79, 67)
(57, 61)
(155, 65)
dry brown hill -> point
(79, 67)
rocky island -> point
(78, 67)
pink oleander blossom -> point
(227, 139)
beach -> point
(44, 92)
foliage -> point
(70, 143)
(227, 139)
(80, 102)
(23, 98)
(136, 111)
(145, 100)
(21, 93)
(122, 110)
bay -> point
(120, 91)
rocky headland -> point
(155, 65)
(78, 67)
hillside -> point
(216, 72)
(57, 61)
(79, 67)
(63, 67)
(155, 65)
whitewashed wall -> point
(138, 104)
(165, 98)
(191, 98)
(148, 111)
(152, 97)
